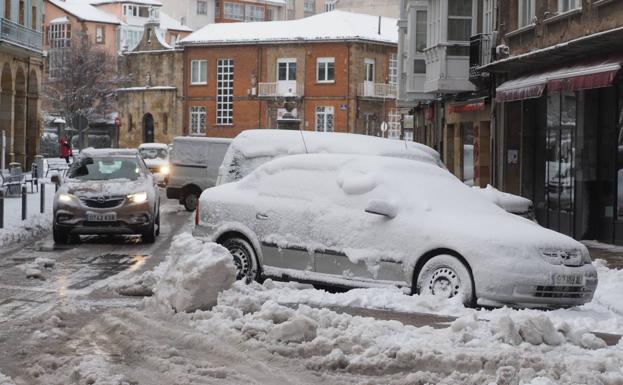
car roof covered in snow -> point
(103, 152)
(252, 148)
(154, 145)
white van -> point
(195, 162)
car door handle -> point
(261, 216)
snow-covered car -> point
(156, 157)
(252, 148)
(361, 221)
(106, 191)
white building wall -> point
(185, 11)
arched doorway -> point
(19, 118)
(6, 112)
(148, 128)
(33, 136)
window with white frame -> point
(568, 5)
(129, 37)
(286, 70)
(217, 9)
(202, 7)
(393, 69)
(369, 65)
(526, 12)
(134, 10)
(271, 13)
(225, 91)
(324, 118)
(99, 34)
(329, 5)
(309, 6)
(420, 30)
(488, 21)
(254, 13)
(459, 20)
(199, 72)
(325, 70)
(233, 11)
(197, 120)
(59, 35)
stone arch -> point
(19, 117)
(33, 134)
(6, 112)
(148, 128)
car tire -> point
(158, 224)
(190, 201)
(447, 277)
(244, 256)
(149, 236)
(59, 236)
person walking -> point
(65, 149)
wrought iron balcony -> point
(377, 90)
(480, 53)
(21, 36)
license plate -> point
(568, 279)
(104, 217)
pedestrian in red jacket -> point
(65, 149)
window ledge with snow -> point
(521, 30)
(563, 15)
(599, 3)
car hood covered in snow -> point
(113, 187)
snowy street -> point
(84, 314)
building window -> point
(199, 72)
(489, 17)
(217, 9)
(369, 70)
(329, 5)
(271, 14)
(7, 9)
(197, 120)
(225, 91)
(325, 70)
(60, 35)
(129, 38)
(526, 12)
(309, 6)
(568, 5)
(21, 13)
(165, 123)
(254, 13)
(393, 69)
(324, 119)
(286, 70)
(33, 17)
(202, 7)
(459, 20)
(233, 11)
(420, 30)
(290, 5)
(99, 34)
(133, 10)
(175, 37)
(130, 122)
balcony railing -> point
(377, 90)
(480, 53)
(280, 89)
(19, 35)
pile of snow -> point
(35, 269)
(4, 380)
(193, 275)
(33, 227)
(610, 289)
(509, 202)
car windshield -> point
(105, 168)
(153, 153)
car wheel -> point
(59, 236)
(190, 201)
(244, 258)
(149, 236)
(158, 224)
(447, 277)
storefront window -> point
(467, 129)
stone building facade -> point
(20, 81)
(151, 102)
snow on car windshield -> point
(89, 169)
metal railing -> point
(377, 90)
(19, 35)
(480, 52)
(279, 90)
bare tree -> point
(81, 81)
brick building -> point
(558, 134)
(337, 69)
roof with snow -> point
(328, 26)
(144, 2)
(84, 11)
(169, 23)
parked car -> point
(106, 191)
(194, 165)
(367, 221)
(156, 157)
(252, 148)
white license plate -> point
(568, 279)
(104, 217)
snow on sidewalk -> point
(36, 224)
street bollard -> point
(42, 196)
(24, 197)
(1, 209)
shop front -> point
(563, 146)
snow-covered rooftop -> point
(334, 25)
(85, 11)
(145, 2)
(169, 23)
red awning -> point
(470, 105)
(581, 76)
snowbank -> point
(609, 292)
(32, 228)
(4, 380)
(192, 275)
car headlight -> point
(66, 198)
(138, 197)
(165, 169)
(564, 257)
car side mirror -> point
(55, 179)
(382, 207)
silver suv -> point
(106, 191)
